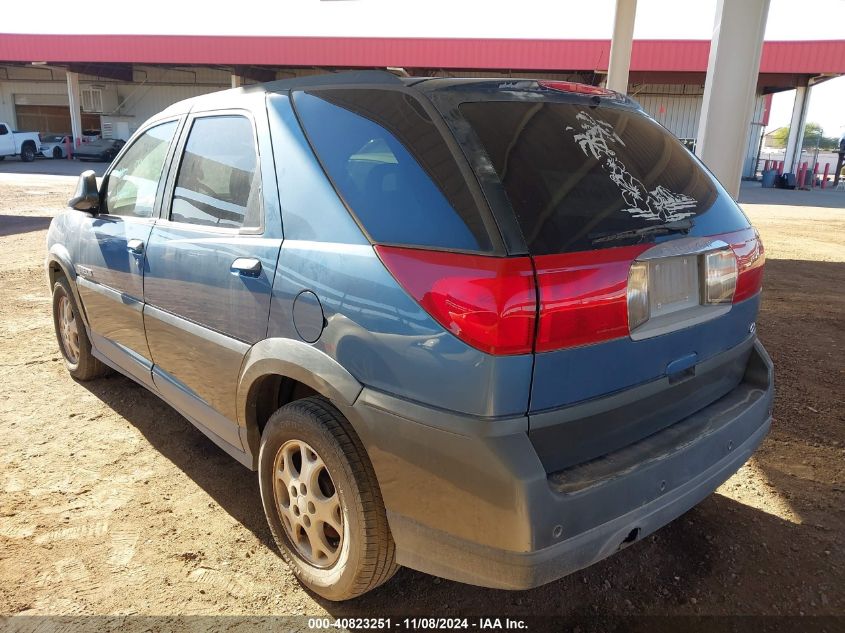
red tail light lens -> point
(583, 296)
(750, 258)
(489, 303)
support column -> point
(730, 88)
(75, 110)
(237, 81)
(796, 128)
(620, 45)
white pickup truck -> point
(23, 144)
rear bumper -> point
(441, 554)
(469, 499)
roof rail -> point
(331, 79)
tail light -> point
(583, 296)
(495, 305)
(718, 277)
(489, 303)
(571, 86)
(638, 309)
(750, 257)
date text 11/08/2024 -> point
(418, 623)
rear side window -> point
(578, 177)
(393, 168)
(217, 183)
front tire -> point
(28, 152)
(57, 152)
(322, 501)
(72, 335)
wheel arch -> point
(29, 143)
(59, 264)
(278, 370)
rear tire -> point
(28, 152)
(72, 335)
(307, 442)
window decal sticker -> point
(597, 139)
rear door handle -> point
(246, 267)
(136, 247)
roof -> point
(799, 57)
(476, 86)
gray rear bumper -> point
(441, 554)
(479, 507)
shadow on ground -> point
(14, 224)
(231, 485)
(51, 167)
(745, 550)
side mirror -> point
(87, 196)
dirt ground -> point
(111, 503)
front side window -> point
(132, 184)
(218, 181)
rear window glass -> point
(577, 176)
(393, 168)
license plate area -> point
(675, 298)
(673, 285)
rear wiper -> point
(677, 226)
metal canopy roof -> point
(676, 56)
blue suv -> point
(491, 329)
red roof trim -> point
(809, 57)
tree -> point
(813, 133)
(829, 144)
(777, 139)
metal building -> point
(122, 80)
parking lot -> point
(51, 167)
(112, 503)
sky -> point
(554, 19)
(565, 19)
(827, 107)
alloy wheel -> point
(69, 330)
(308, 503)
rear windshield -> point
(393, 168)
(581, 178)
